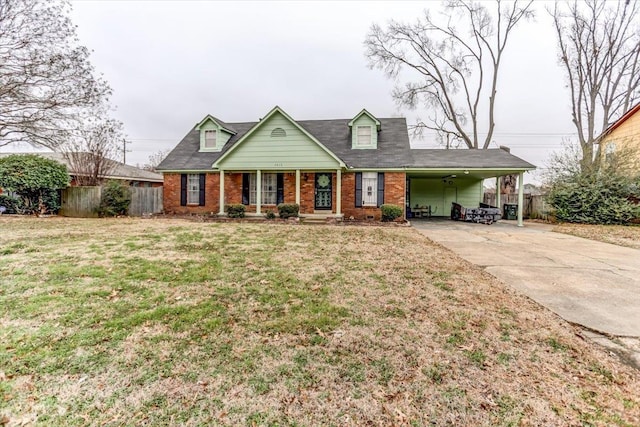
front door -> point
(323, 191)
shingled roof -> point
(118, 171)
(187, 156)
(495, 158)
(393, 151)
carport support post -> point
(498, 194)
(520, 197)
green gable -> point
(277, 142)
(222, 134)
(364, 119)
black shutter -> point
(245, 188)
(183, 190)
(358, 189)
(202, 189)
(280, 188)
(380, 188)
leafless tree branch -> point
(599, 49)
(46, 80)
(91, 151)
(453, 61)
(154, 160)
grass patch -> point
(556, 345)
(621, 235)
(504, 358)
(168, 322)
(435, 373)
(478, 357)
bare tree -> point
(155, 159)
(457, 62)
(508, 184)
(46, 79)
(91, 153)
(562, 164)
(599, 45)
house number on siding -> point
(278, 165)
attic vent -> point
(278, 133)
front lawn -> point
(622, 235)
(169, 322)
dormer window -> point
(214, 133)
(363, 138)
(210, 138)
(364, 131)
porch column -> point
(298, 187)
(520, 197)
(221, 210)
(498, 194)
(338, 191)
(258, 190)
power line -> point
(518, 134)
(153, 139)
(521, 133)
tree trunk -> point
(508, 184)
(586, 163)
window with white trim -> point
(269, 194)
(363, 138)
(210, 138)
(193, 189)
(370, 188)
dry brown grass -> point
(622, 235)
(168, 322)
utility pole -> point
(124, 150)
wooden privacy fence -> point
(145, 200)
(80, 202)
(83, 202)
(534, 206)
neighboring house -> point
(133, 176)
(331, 168)
(623, 137)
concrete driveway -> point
(593, 284)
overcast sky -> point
(172, 62)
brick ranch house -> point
(332, 168)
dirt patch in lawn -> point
(169, 322)
(622, 235)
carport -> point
(437, 178)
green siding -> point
(262, 151)
(364, 120)
(429, 191)
(223, 137)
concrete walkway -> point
(590, 283)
